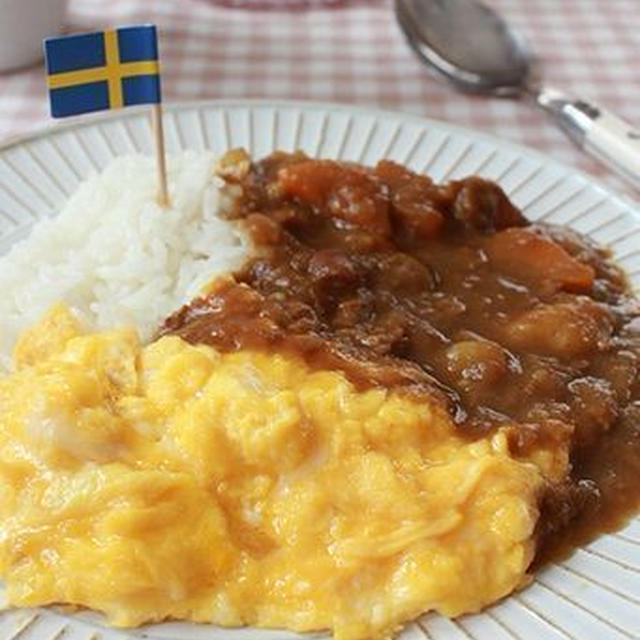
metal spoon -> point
(471, 46)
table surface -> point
(355, 53)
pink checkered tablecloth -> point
(353, 52)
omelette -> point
(174, 481)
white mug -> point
(23, 25)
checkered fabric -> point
(352, 51)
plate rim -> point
(73, 122)
(626, 205)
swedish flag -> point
(103, 70)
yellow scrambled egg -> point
(172, 481)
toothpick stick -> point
(158, 134)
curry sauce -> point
(445, 292)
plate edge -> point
(623, 200)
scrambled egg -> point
(172, 481)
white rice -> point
(115, 256)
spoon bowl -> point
(468, 44)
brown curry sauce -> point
(444, 291)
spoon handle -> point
(605, 136)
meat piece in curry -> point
(444, 292)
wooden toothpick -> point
(158, 134)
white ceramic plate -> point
(594, 594)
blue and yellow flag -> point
(103, 70)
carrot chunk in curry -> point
(530, 256)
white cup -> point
(23, 25)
